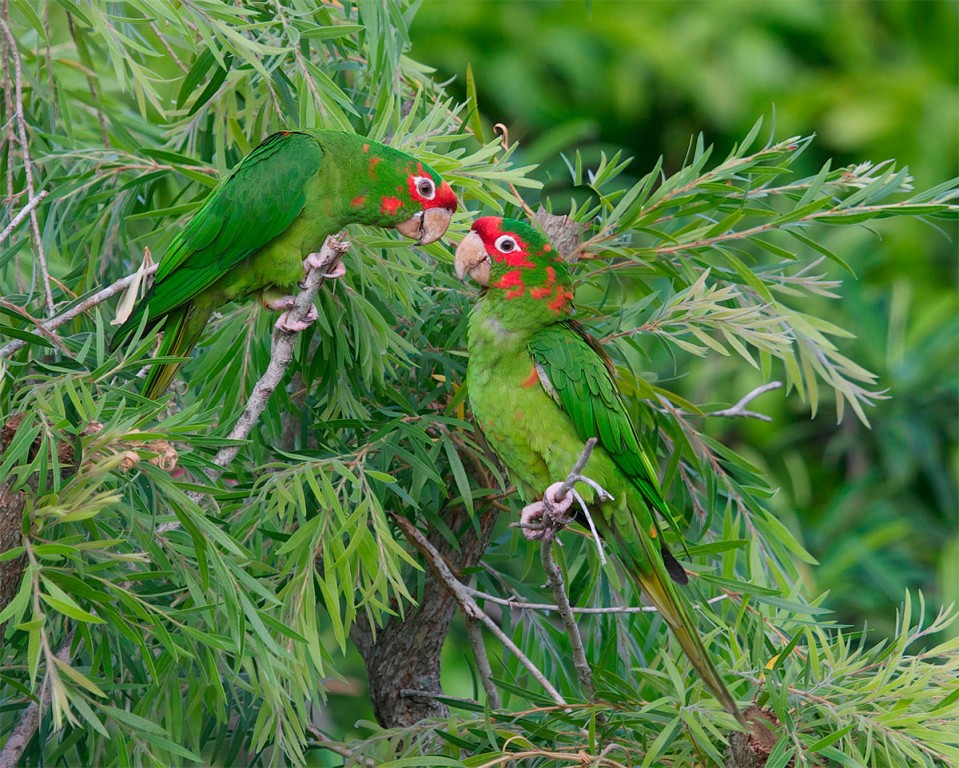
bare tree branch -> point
(88, 303)
(469, 606)
(21, 123)
(577, 469)
(552, 524)
(24, 212)
(30, 717)
(51, 336)
(325, 742)
(736, 411)
(475, 632)
(739, 411)
(514, 603)
(554, 580)
(281, 355)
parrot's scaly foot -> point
(286, 324)
(557, 508)
(550, 514)
(280, 304)
(531, 520)
(316, 261)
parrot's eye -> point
(425, 187)
(506, 244)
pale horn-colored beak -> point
(426, 226)
(471, 259)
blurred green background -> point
(873, 80)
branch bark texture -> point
(405, 652)
(281, 355)
(29, 721)
(78, 309)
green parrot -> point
(540, 387)
(260, 229)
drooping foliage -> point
(217, 640)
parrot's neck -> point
(495, 329)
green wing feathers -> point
(581, 379)
(256, 203)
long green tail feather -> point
(181, 330)
(665, 597)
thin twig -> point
(7, 140)
(554, 580)
(51, 336)
(554, 576)
(24, 212)
(413, 693)
(550, 524)
(325, 742)
(577, 469)
(27, 163)
(510, 602)
(281, 355)
(475, 633)
(461, 594)
(739, 411)
(735, 411)
(30, 717)
(165, 43)
(88, 303)
(503, 131)
(589, 518)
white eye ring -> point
(425, 187)
(506, 244)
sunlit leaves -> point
(735, 240)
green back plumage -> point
(259, 223)
(540, 387)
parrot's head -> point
(403, 193)
(517, 265)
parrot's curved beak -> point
(426, 226)
(472, 259)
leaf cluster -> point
(217, 639)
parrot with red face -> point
(262, 226)
(540, 387)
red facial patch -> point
(513, 283)
(530, 380)
(489, 230)
(563, 297)
(366, 148)
(445, 197)
(543, 291)
(373, 162)
(390, 205)
(415, 193)
(357, 202)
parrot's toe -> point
(558, 508)
(288, 324)
(314, 261)
(532, 515)
(339, 269)
(279, 304)
(318, 261)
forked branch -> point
(281, 355)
